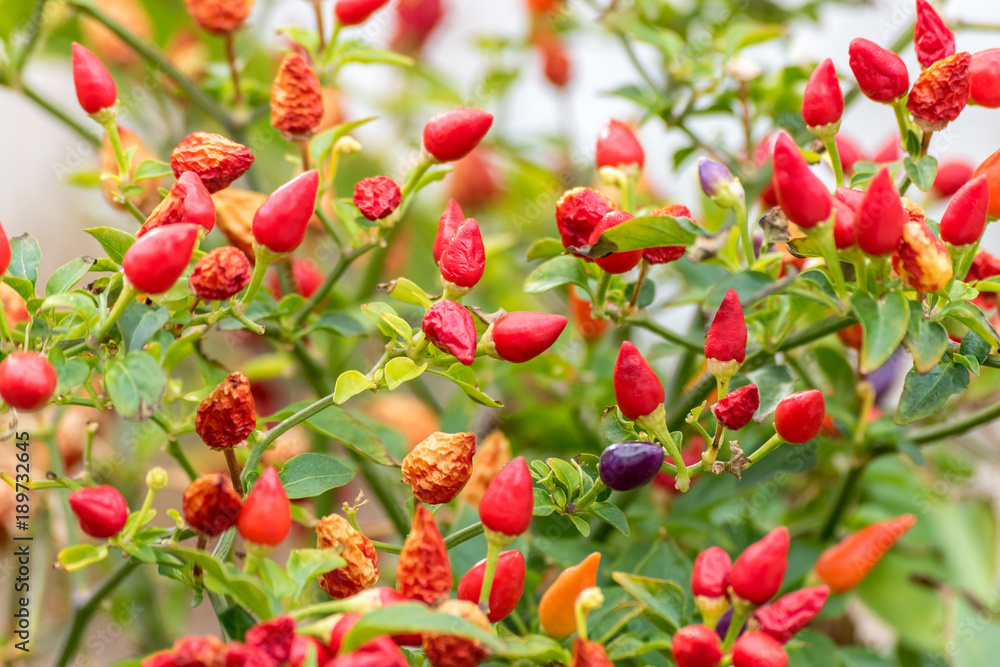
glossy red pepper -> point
(521, 336)
(447, 226)
(784, 617)
(306, 278)
(801, 195)
(879, 220)
(850, 197)
(101, 510)
(464, 257)
(27, 380)
(952, 175)
(964, 220)
(415, 21)
(843, 223)
(984, 76)
(823, 101)
(617, 146)
(95, 88)
(451, 329)
(668, 253)
(378, 652)
(881, 74)
(452, 134)
(508, 584)
(356, 12)
(850, 152)
(726, 340)
(990, 168)
(710, 574)
(157, 260)
(738, 407)
(757, 573)
(638, 390)
(342, 627)
(799, 417)
(509, 501)
(300, 651)
(4, 251)
(266, 516)
(932, 39)
(696, 646)
(755, 649)
(377, 197)
(590, 327)
(272, 639)
(578, 211)
(844, 565)
(617, 262)
(280, 222)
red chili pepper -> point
(952, 175)
(578, 211)
(755, 649)
(228, 415)
(101, 510)
(464, 258)
(415, 21)
(844, 565)
(932, 39)
(210, 504)
(216, 159)
(4, 251)
(879, 220)
(272, 639)
(984, 75)
(738, 407)
(95, 88)
(379, 652)
(784, 617)
(508, 585)
(801, 195)
(984, 266)
(850, 197)
(823, 101)
(638, 390)
(296, 98)
(990, 168)
(850, 152)
(521, 336)
(964, 220)
(356, 12)
(451, 329)
(843, 223)
(452, 134)
(280, 222)
(387, 597)
(423, 571)
(617, 146)
(300, 651)
(726, 340)
(757, 573)
(710, 575)
(668, 253)
(266, 516)
(556, 64)
(188, 201)
(586, 653)
(696, 646)
(27, 380)
(881, 74)
(447, 226)
(509, 501)
(377, 197)
(941, 92)
(342, 627)
(799, 417)
(617, 262)
(156, 261)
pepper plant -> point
(487, 402)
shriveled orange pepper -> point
(991, 169)
(556, 610)
(844, 565)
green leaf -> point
(927, 341)
(407, 291)
(225, 579)
(646, 232)
(400, 370)
(236, 621)
(276, 579)
(665, 599)
(537, 648)
(22, 286)
(338, 424)
(922, 173)
(374, 311)
(25, 256)
(969, 315)
(308, 475)
(350, 383)
(813, 650)
(923, 395)
(68, 275)
(79, 556)
(135, 384)
(340, 323)
(411, 618)
(884, 324)
(558, 271)
(71, 373)
(804, 246)
(545, 248)
(320, 144)
(358, 51)
(81, 303)
(566, 474)
(616, 428)
(582, 526)
(773, 384)
(400, 326)
(304, 564)
(114, 241)
(139, 322)
(465, 378)
(152, 169)
(611, 515)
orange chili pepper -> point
(990, 168)
(844, 565)
(556, 609)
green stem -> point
(587, 499)
(493, 548)
(601, 294)
(60, 114)
(125, 297)
(843, 498)
(649, 324)
(956, 426)
(147, 503)
(654, 424)
(830, 141)
(83, 615)
(740, 613)
(174, 449)
(772, 444)
(464, 535)
(320, 294)
(743, 220)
